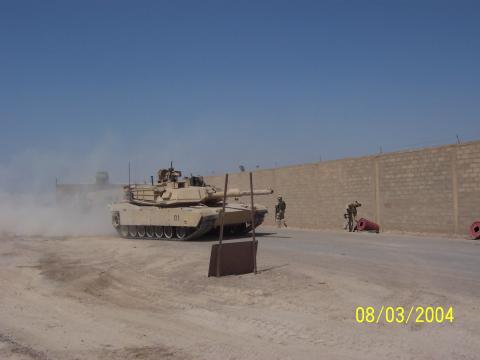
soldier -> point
(351, 215)
(280, 212)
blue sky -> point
(210, 85)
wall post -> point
(454, 189)
(377, 193)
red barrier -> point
(475, 230)
(367, 225)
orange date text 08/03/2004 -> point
(404, 315)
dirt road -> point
(109, 298)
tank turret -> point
(170, 190)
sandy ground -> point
(110, 298)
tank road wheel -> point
(182, 232)
(158, 232)
(168, 231)
(132, 231)
(123, 231)
(141, 231)
(150, 232)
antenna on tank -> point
(129, 174)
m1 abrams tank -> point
(181, 208)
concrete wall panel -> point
(434, 190)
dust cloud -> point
(41, 215)
(28, 199)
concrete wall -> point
(434, 190)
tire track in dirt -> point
(16, 347)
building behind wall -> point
(431, 190)
(100, 193)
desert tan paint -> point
(186, 207)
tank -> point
(182, 208)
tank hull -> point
(181, 222)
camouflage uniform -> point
(280, 212)
(351, 216)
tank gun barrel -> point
(239, 193)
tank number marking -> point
(176, 217)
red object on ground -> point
(367, 225)
(475, 230)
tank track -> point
(148, 232)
